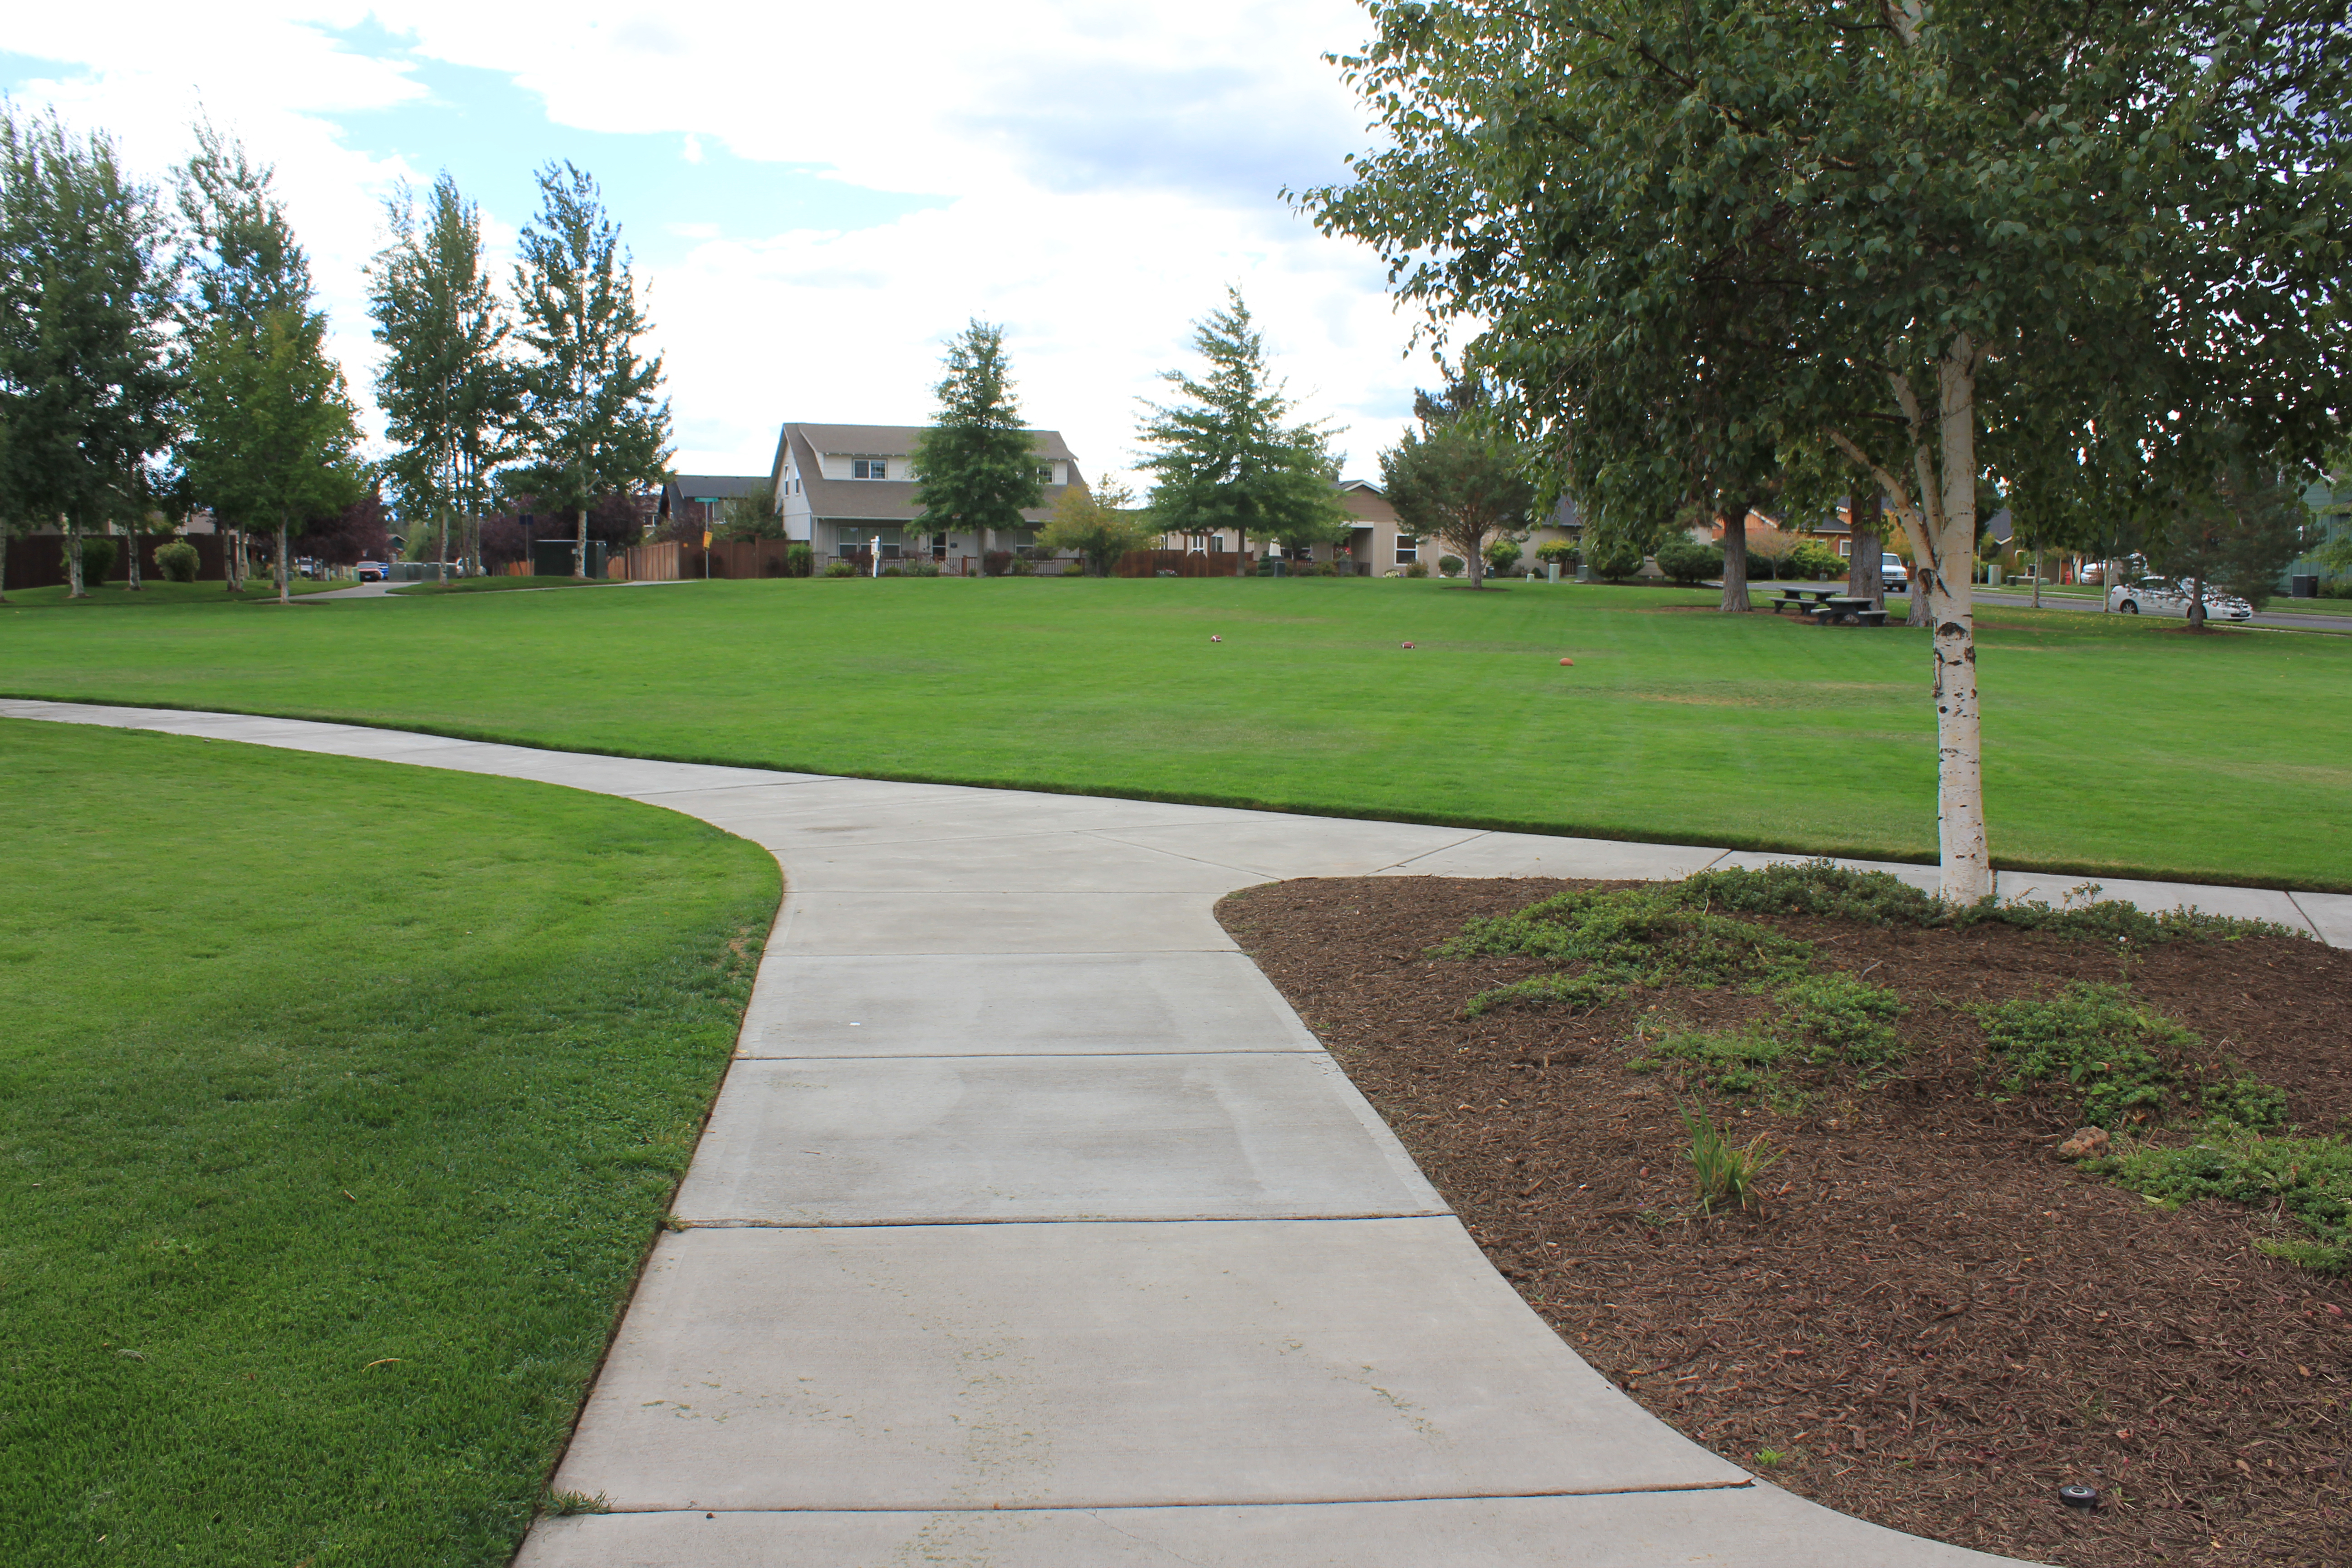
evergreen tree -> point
(85, 303)
(975, 466)
(449, 393)
(271, 436)
(593, 423)
(1228, 458)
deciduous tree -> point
(1900, 195)
(1101, 524)
(1461, 477)
(85, 303)
(593, 422)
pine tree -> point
(975, 466)
(1228, 457)
(85, 303)
(592, 423)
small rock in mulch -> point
(1932, 1325)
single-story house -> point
(1378, 547)
(842, 488)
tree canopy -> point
(1460, 477)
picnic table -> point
(1837, 609)
(1805, 601)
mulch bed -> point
(1936, 1321)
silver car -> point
(2167, 596)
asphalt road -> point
(2297, 620)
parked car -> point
(372, 571)
(2168, 596)
(1893, 575)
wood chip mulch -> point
(1935, 1323)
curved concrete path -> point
(1033, 1229)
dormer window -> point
(869, 468)
(1044, 473)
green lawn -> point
(156, 591)
(2113, 745)
(338, 1104)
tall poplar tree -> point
(85, 303)
(271, 437)
(1231, 454)
(450, 394)
(593, 423)
(975, 466)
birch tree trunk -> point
(441, 568)
(1942, 528)
(285, 590)
(131, 542)
(580, 545)
(74, 586)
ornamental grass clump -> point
(1723, 1172)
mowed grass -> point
(2113, 746)
(339, 1102)
(160, 591)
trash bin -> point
(1992, 576)
(1551, 571)
(2303, 586)
(552, 557)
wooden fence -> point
(673, 560)
(39, 561)
(1186, 563)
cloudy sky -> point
(817, 195)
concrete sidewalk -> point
(1032, 1228)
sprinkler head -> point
(2082, 1497)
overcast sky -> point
(817, 195)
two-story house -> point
(843, 488)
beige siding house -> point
(843, 488)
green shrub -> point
(800, 561)
(1502, 555)
(2119, 1056)
(1074, 570)
(1417, 569)
(2307, 1179)
(1687, 562)
(178, 560)
(97, 556)
(1449, 566)
(894, 571)
(1812, 560)
(1558, 549)
(1849, 1021)
(1613, 559)
(1727, 1061)
(926, 567)
(840, 569)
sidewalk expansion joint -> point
(682, 1223)
(1746, 1483)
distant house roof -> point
(882, 500)
(717, 487)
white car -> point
(1893, 575)
(2163, 596)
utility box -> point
(2302, 586)
(553, 557)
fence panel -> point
(1184, 563)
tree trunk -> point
(1474, 560)
(5, 537)
(2037, 576)
(2197, 602)
(1865, 575)
(1735, 559)
(131, 542)
(1942, 527)
(441, 568)
(285, 589)
(580, 546)
(75, 587)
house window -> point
(938, 547)
(1408, 550)
(869, 468)
(1216, 544)
(1044, 473)
(852, 538)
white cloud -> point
(1107, 169)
